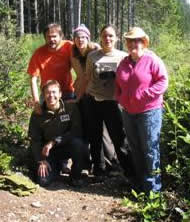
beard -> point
(53, 45)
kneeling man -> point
(56, 135)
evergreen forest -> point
(168, 25)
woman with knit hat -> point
(141, 81)
(81, 48)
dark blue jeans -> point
(75, 149)
(143, 134)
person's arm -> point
(36, 136)
(40, 151)
(47, 147)
(86, 77)
(160, 78)
(35, 94)
(117, 92)
(83, 88)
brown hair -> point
(50, 83)
(82, 58)
(53, 26)
(108, 26)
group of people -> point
(113, 106)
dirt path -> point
(95, 202)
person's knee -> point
(79, 146)
(80, 152)
(77, 142)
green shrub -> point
(15, 98)
(5, 163)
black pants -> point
(106, 111)
(75, 149)
(109, 153)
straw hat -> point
(135, 33)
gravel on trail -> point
(59, 202)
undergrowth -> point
(173, 203)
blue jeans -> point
(143, 134)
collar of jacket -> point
(46, 110)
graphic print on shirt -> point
(105, 68)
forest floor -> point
(59, 202)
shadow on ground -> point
(111, 186)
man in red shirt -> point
(51, 61)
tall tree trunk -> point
(109, 11)
(29, 17)
(54, 10)
(96, 19)
(44, 12)
(21, 17)
(65, 17)
(70, 15)
(6, 21)
(36, 16)
(117, 13)
(59, 11)
(131, 4)
(47, 11)
(77, 12)
(117, 22)
(113, 14)
(89, 11)
(106, 11)
(122, 24)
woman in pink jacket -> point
(141, 81)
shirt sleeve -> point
(36, 136)
(160, 79)
(117, 92)
(89, 67)
(33, 67)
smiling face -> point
(53, 39)
(108, 39)
(135, 47)
(52, 95)
(81, 41)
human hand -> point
(37, 108)
(44, 168)
(47, 148)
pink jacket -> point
(140, 87)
